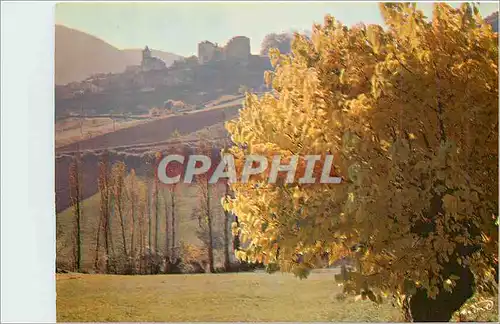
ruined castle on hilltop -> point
(238, 48)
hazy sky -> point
(177, 27)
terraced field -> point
(129, 144)
(156, 130)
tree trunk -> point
(441, 309)
(172, 196)
(79, 225)
(110, 228)
(122, 224)
(420, 308)
(149, 216)
(76, 198)
(104, 208)
(132, 229)
(227, 261)
(106, 240)
(157, 216)
(210, 233)
(97, 245)
(78, 222)
(236, 238)
(227, 215)
(167, 246)
(141, 237)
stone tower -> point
(146, 54)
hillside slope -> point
(493, 21)
(79, 55)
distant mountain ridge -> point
(78, 55)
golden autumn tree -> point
(410, 113)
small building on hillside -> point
(150, 63)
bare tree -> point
(156, 205)
(143, 206)
(227, 220)
(76, 198)
(111, 209)
(205, 218)
(167, 243)
(149, 213)
(104, 224)
(118, 173)
(206, 212)
(133, 197)
(173, 187)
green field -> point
(210, 297)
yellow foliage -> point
(410, 113)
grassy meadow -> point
(226, 297)
(230, 297)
